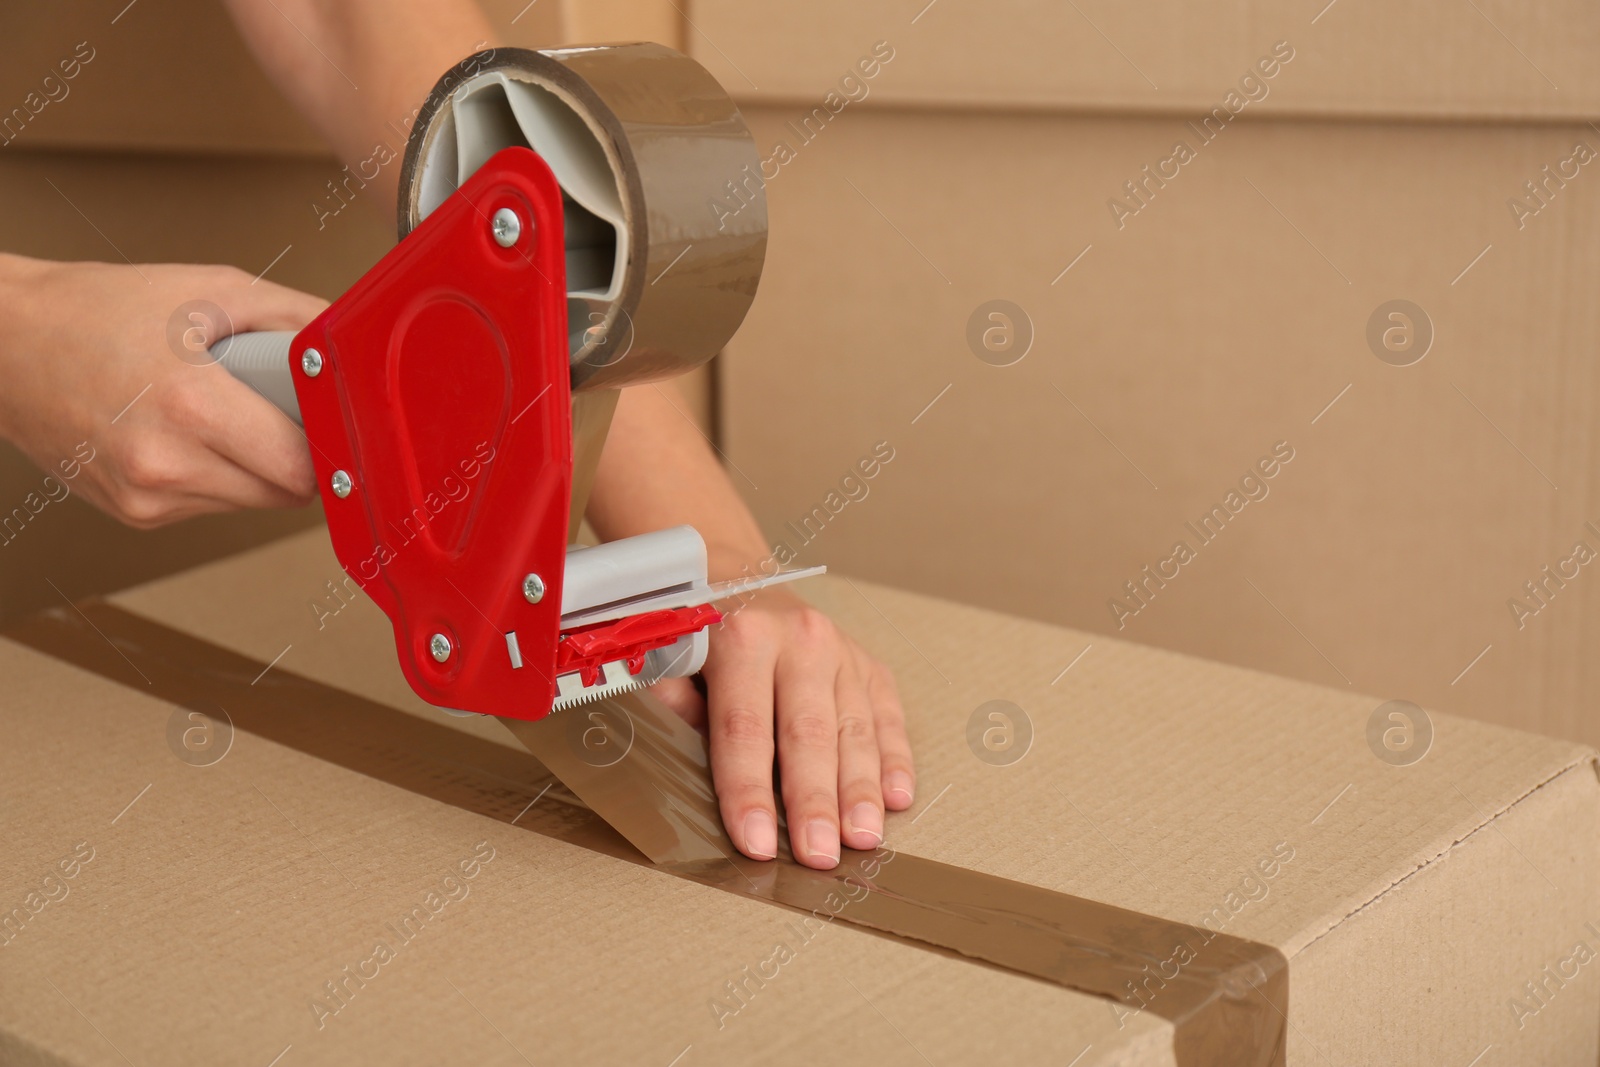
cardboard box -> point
(1412, 901)
(1187, 311)
(1175, 344)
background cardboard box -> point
(1413, 904)
(1178, 340)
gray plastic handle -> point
(261, 361)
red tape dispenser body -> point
(435, 395)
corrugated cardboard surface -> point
(1460, 963)
(1435, 58)
(1154, 781)
(1226, 318)
(219, 904)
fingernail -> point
(864, 819)
(898, 785)
(761, 834)
(822, 840)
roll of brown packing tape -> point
(649, 152)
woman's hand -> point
(91, 352)
(779, 673)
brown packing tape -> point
(591, 419)
(646, 772)
(680, 153)
(642, 769)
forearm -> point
(359, 69)
(658, 470)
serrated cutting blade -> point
(614, 678)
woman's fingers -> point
(807, 729)
(233, 420)
(739, 692)
(899, 774)
(860, 792)
(159, 473)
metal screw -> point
(507, 227)
(533, 588)
(439, 645)
(341, 484)
(311, 362)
